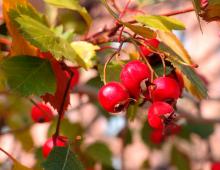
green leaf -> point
(203, 130)
(41, 36)
(160, 70)
(68, 129)
(179, 159)
(113, 71)
(141, 30)
(29, 75)
(86, 51)
(62, 158)
(197, 7)
(160, 22)
(73, 5)
(99, 152)
(95, 82)
(68, 35)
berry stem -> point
(177, 12)
(8, 154)
(125, 9)
(61, 109)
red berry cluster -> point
(135, 82)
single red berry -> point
(215, 166)
(50, 143)
(151, 42)
(113, 97)
(157, 114)
(75, 77)
(165, 89)
(41, 113)
(132, 74)
(156, 136)
(177, 75)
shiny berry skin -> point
(215, 166)
(61, 141)
(75, 78)
(132, 74)
(165, 89)
(41, 113)
(151, 42)
(113, 97)
(156, 136)
(177, 75)
(157, 113)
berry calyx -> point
(151, 42)
(132, 74)
(41, 113)
(165, 89)
(50, 143)
(158, 114)
(113, 97)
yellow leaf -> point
(175, 44)
(19, 45)
(19, 166)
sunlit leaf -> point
(29, 75)
(19, 45)
(73, 5)
(86, 51)
(163, 23)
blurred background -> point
(130, 146)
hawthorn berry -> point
(177, 75)
(165, 89)
(41, 113)
(158, 113)
(132, 74)
(61, 141)
(215, 166)
(113, 97)
(151, 42)
(156, 136)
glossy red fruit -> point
(215, 166)
(41, 113)
(151, 42)
(177, 75)
(61, 141)
(132, 74)
(165, 89)
(156, 136)
(113, 97)
(157, 113)
(75, 78)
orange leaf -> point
(19, 45)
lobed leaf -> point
(162, 23)
(29, 75)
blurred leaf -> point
(145, 165)
(160, 70)
(19, 45)
(203, 130)
(44, 38)
(211, 12)
(22, 72)
(39, 158)
(62, 158)
(145, 135)
(113, 71)
(162, 23)
(99, 152)
(95, 82)
(141, 30)
(170, 40)
(19, 166)
(25, 138)
(179, 159)
(68, 35)
(73, 5)
(86, 51)
(68, 129)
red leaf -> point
(61, 80)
